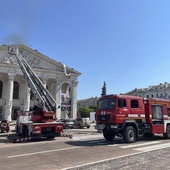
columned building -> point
(60, 80)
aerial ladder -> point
(41, 122)
(44, 98)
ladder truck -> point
(41, 121)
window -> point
(107, 103)
(121, 103)
(157, 112)
(134, 104)
(168, 111)
(16, 90)
(147, 96)
(152, 96)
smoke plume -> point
(18, 20)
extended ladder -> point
(44, 98)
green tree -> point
(103, 89)
(93, 108)
(84, 111)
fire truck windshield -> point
(107, 103)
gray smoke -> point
(19, 19)
(14, 39)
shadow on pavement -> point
(116, 141)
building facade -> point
(155, 91)
(60, 80)
(88, 102)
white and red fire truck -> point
(40, 122)
(131, 117)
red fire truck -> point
(40, 122)
(132, 117)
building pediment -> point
(35, 59)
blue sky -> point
(125, 43)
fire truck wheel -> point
(108, 135)
(129, 134)
(4, 127)
(167, 134)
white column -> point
(27, 97)
(74, 99)
(9, 96)
(58, 98)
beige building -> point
(155, 91)
(88, 102)
(60, 80)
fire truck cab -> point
(132, 117)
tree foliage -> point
(103, 89)
(84, 111)
(94, 108)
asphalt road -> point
(86, 150)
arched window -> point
(16, 90)
(1, 87)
